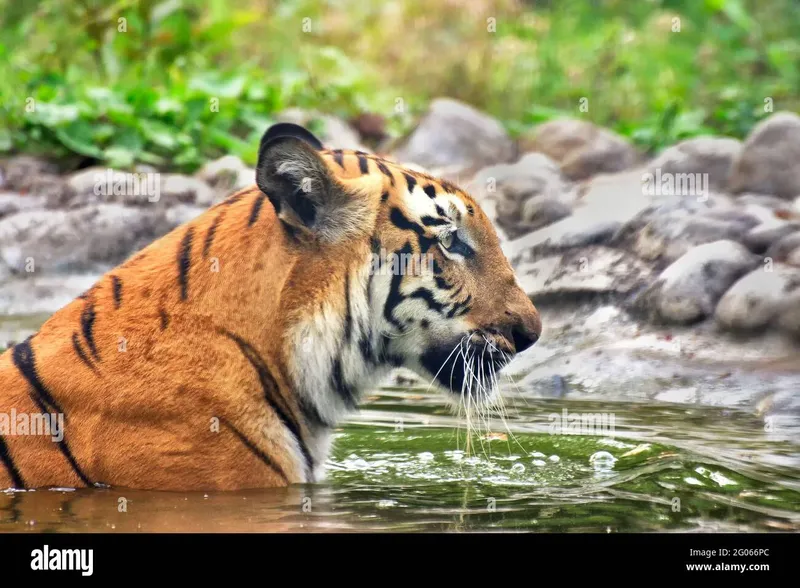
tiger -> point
(223, 355)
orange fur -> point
(170, 393)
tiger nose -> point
(524, 337)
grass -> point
(173, 83)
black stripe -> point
(395, 296)
(440, 211)
(363, 165)
(234, 198)
(343, 389)
(256, 210)
(430, 221)
(164, 319)
(272, 395)
(384, 196)
(116, 287)
(5, 457)
(338, 157)
(411, 181)
(387, 357)
(76, 345)
(25, 361)
(460, 308)
(430, 190)
(212, 231)
(442, 283)
(385, 170)
(22, 356)
(366, 349)
(348, 317)
(87, 327)
(427, 296)
(401, 222)
(311, 414)
(252, 447)
(184, 262)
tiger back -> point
(222, 355)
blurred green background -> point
(173, 83)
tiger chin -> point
(223, 355)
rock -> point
(183, 213)
(761, 237)
(689, 289)
(98, 185)
(581, 148)
(186, 190)
(587, 270)
(226, 175)
(11, 203)
(672, 226)
(370, 126)
(765, 200)
(20, 172)
(784, 248)
(332, 131)
(709, 159)
(568, 233)
(523, 196)
(759, 298)
(41, 294)
(768, 161)
(93, 238)
(456, 139)
(538, 212)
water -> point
(401, 465)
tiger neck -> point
(337, 356)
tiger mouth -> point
(467, 370)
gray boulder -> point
(768, 161)
(709, 158)
(584, 271)
(523, 196)
(99, 185)
(759, 298)
(580, 148)
(88, 239)
(785, 249)
(671, 226)
(688, 290)
(454, 139)
(334, 132)
(226, 175)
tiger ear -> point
(306, 196)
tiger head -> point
(401, 269)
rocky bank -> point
(674, 278)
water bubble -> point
(518, 468)
(602, 461)
(537, 454)
(426, 456)
(539, 463)
(554, 458)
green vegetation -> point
(172, 83)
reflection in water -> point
(400, 465)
